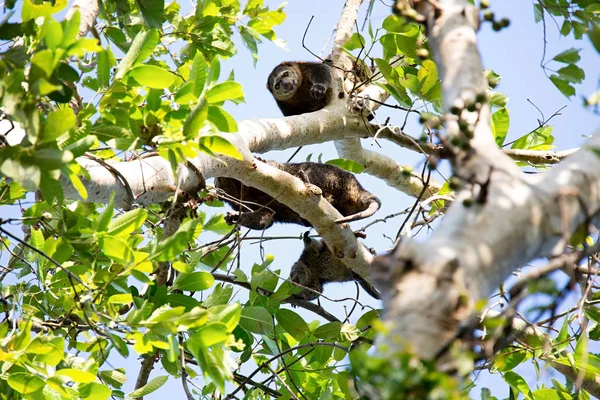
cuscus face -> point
(284, 81)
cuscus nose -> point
(288, 84)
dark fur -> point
(301, 87)
(318, 266)
(339, 187)
(310, 92)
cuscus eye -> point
(286, 74)
(277, 86)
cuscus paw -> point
(231, 218)
(317, 91)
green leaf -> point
(57, 123)
(565, 29)
(194, 318)
(348, 165)
(497, 99)
(550, 394)
(194, 282)
(153, 100)
(257, 320)
(582, 350)
(562, 85)
(217, 224)
(198, 74)
(356, 41)
(28, 176)
(94, 391)
(562, 340)
(9, 30)
(44, 60)
(152, 11)
(106, 216)
(292, 323)
(428, 76)
(220, 295)
(227, 90)
(394, 24)
(35, 10)
(79, 147)
(500, 124)
(406, 45)
(538, 12)
(67, 73)
(211, 335)
(540, 137)
(388, 72)
(217, 144)
(116, 248)
(141, 48)
(171, 247)
(195, 119)
(508, 359)
(117, 37)
(119, 344)
(182, 267)
(398, 93)
(115, 377)
(84, 45)
(127, 223)
(25, 383)
(76, 375)
(124, 298)
(71, 30)
(52, 33)
(55, 389)
(212, 363)
(229, 315)
(568, 56)
(349, 333)
(222, 119)
(152, 76)
(150, 387)
(51, 159)
(572, 73)
(214, 71)
(594, 35)
(388, 43)
(249, 37)
(47, 349)
(328, 331)
(518, 384)
(103, 69)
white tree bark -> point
(501, 219)
(88, 11)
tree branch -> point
(500, 219)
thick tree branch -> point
(393, 173)
(376, 164)
(501, 218)
(396, 136)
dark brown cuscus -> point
(318, 266)
(299, 86)
(260, 211)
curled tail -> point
(374, 204)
